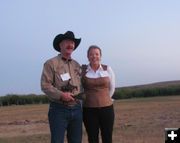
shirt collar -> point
(64, 59)
(90, 69)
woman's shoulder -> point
(106, 67)
(84, 66)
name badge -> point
(65, 76)
(104, 74)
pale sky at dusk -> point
(140, 39)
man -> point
(65, 111)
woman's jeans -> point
(99, 118)
(62, 118)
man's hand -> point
(80, 96)
(67, 96)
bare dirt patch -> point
(140, 120)
(23, 120)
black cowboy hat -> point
(68, 35)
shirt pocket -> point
(57, 76)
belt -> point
(104, 107)
(68, 103)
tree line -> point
(13, 99)
(120, 93)
(124, 93)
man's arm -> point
(47, 82)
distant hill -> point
(156, 84)
(165, 88)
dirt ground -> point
(141, 120)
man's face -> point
(67, 47)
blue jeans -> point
(62, 118)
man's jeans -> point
(62, 118)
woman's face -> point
(94, 56)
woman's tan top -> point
(96, 90)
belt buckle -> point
(69, 104)
(65, 103)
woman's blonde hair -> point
(93, 47)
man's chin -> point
(69, 52)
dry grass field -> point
(140, 120)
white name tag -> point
(104, 74)
(65, 76)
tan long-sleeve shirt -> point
(53, 76)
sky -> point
(140, 39)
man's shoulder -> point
(75, 62)
(52, 60)
(55, 58)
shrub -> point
(123, 93)
(23, 99)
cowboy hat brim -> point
(59, 38)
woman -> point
(99, 84)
